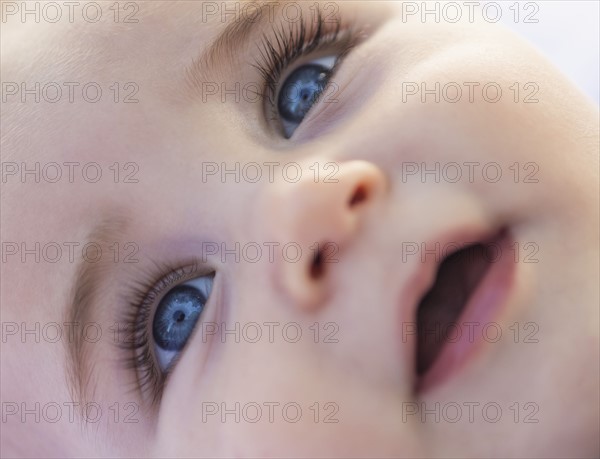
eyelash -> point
(287, 46)
(140, 303)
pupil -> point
(179, 316)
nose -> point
(318, 215)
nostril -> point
(317, 268)
(360, 194)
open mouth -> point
(469, 285)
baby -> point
(294, 229)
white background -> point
(567, 33)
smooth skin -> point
(371, 134)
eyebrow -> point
(89, 277)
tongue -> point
(457, 278)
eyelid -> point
(134, 321)
(329, 62)
(333, 51)
(290, 41)
(362, 75)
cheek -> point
(267, 399)
(190, 418)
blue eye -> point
(300, 92)
(176, 317)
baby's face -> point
(249, 277)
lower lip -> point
(469, 334)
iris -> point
(176, 317)
(301, 90)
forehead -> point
(104, 36)
(145, 43)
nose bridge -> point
(319, 214)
